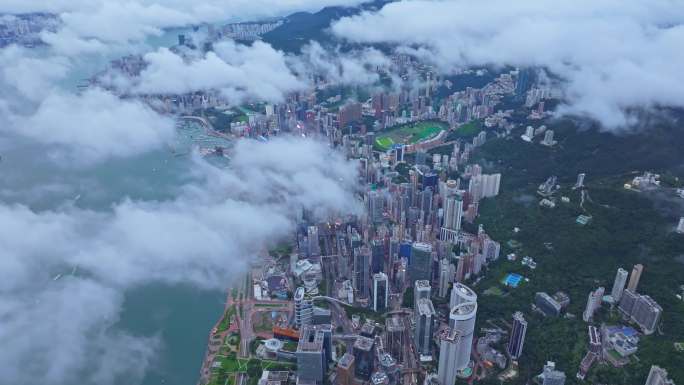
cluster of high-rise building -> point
(25, 29)
(243, 31)
(640, 309)
(476, 103)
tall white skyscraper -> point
(453, 212)
(462, 320)
(529, 134)
(461, 293)
(548, 138)
(303, 308)
(593, 303)
(484, 186)
(449, 343)
(457, 340)
(619, 285)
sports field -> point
(512, 280)
(408, 133)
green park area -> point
(230, 365)
(627, 228)
(469, 129)
(225, 320)
(408, 133)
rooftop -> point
(310, 340)
(425, 307)
(346, 361)
(363, 343)
(395, 324)
(425, 247)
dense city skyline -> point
(365, 191)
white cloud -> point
(26, 75)
(614, 55)
(93, 126)
(238, 71)
(358, 67)
(204, 237)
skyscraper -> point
(421, 290)
(310, 356)
(462, 321)
(380, 292)
(312, 241)
(377, 255)
(445, 276)
(449, 341)
(349, 114)
(634, 278)
(642, 310)
(395, 332)
(658, 376)
(303, 308)
(517, 339)
(453, 212)
(376, 206)
(363, 357)
(548, 138)
(362, 273)
(345, 370)
(547, 304)
(425, 313)
(593, 303)
(421, 262)
(627, 301)
(461, 293)
(619, 285)
(647, 313)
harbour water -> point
(179, 316)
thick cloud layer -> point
(95, 125)
(249, 72)
(614, 55)
(238, 71)
(204, 237)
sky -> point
(611, 56)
